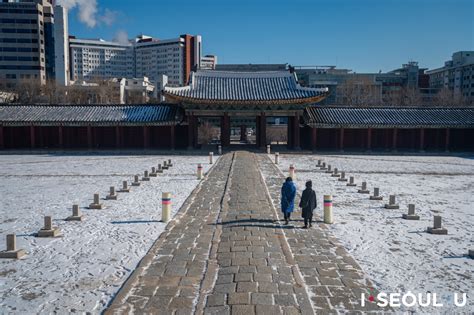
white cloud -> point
(121, 37)
(88, 12)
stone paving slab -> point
(168, 279)
(333, 276)
(255, 274)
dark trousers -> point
(287, 215)
(308, 219)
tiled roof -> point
(350, 117)
(89, 114)
(244, 87)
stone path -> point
(226, 253)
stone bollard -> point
(199, 172)
(319, 163)
(135, 181)
(96, 204)
(219, 150)
(328, 209)
(392, 203)
(160, 169)
(165, 207)
(277, 158)
(76, 214)
(343, 177)
(291, 172)
(323, 166)
(335, 173)
(376, 195)
(165, 165)
(145, 177)
(153, 172)
(329, 170)
(211, 157)
(411, 213)
(11, 251)
(48, 230)
(268, 149)
(351, 181)
(112, 194)
(437, 228)
(363, 189)
(125, 187)
(170, 164)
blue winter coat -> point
(288, 193)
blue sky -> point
(362, 35)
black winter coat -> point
(308, 202)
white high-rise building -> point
(61, 46)
(208, 62)
(100, 59)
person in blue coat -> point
(288, 193)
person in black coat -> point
(308, 204)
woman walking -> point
(308, 204)
(288, 193)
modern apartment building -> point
(457, 76)
(100, 59)
(61, 46)
(26, 40)
(208, 62)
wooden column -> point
(32, 137)
(225, 130)
(263, 131)
(290, 132)
(61, 137)
(369, 139)
(257, 130)
(296, 132)
(89, 137)
(314, 138)
(117, 137)
(422, 139)
(446, 140)
(341, 139)
(172, 137)
(243, 133)
(2, 141)
(394, 139)
(190, 132)
(146, 137)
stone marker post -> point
(319, 163)
(160, 169)
(170, 164)
(335, 173)
(328, 219)
(291, 172)
(153, 172)
(392, 204)
(343, 177)
(363, 189)
(219, 149)
(376, 195)
(351, 181)
(329, 170)
(112, 194)
(76, 214)
(11, 251)
(135, 181)
(268, 149)
(96, 203)
(211, 157)
(199, 171)
(125, 187)
(437, 228)
(411, 213)
(277, 158)
(145, 177)
(165, 206)
(48, 230)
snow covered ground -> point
(83, 269)
(398, 254)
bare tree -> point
(206, 133)
(359, 91)
(277, 134)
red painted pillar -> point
(257, 131)
(394, 139)
(89, 137)
(341, 139)
(146, 137)
(290, 132)
(243, 133)
(422, 139)
(60, 137)
(191, 143)
(117, 137)
(32, 137)
(172, 137)
(314, 138)
(225, 130)
(369, 139)
(446, 142)
(263, 131)
(296, 132)
(2, 141)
